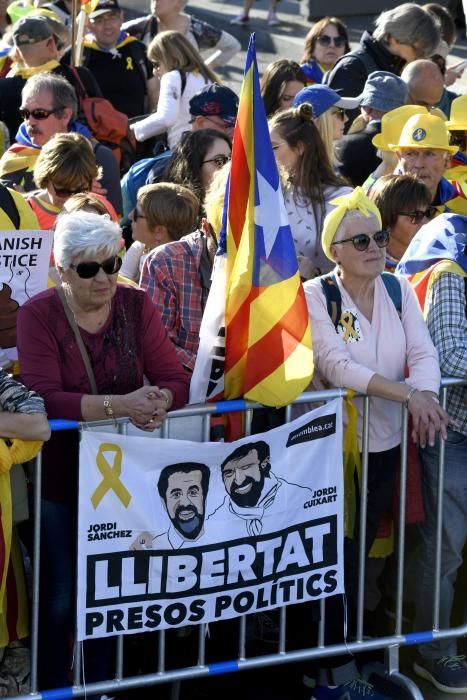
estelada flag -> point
(268, 353)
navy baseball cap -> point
(104, 6)
(215, 101)
(322, 98)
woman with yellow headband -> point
(367, 347)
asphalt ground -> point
(287, 41)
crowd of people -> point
(371, 146)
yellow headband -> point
(355, 201)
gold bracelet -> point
(109, 412)
(166, 395)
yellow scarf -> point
(26, 72)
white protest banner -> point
(173, 532)
(24, 267)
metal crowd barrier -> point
(193, 423)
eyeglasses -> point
(135, 214)
(65, 193)
(86, 270)
(362, 240)
(225, 124)
(338, 41)
(416, 217)
(339, 113)
(219, 160)
(39, 114)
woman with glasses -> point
(182, 74)
(375, 343)
(404, 203)
(329, 114)
(280, 82)
(196, 159)
(311, 183)
(325, 43)
(122, 342)
(66, 165)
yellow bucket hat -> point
(355, 201)
(392, 124)
(424, 131)
(458, 120)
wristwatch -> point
(109, 412)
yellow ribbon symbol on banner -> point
(346, 321)
(110, 474)
(129, 63)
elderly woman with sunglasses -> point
(87, 348)
(369, 347)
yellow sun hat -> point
(458, 120)
(424, 131)
(392, 124)
(355, 201)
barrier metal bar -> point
(363, 513)
(439, 524)
(390, 644)
(401, 527)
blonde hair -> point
(170, 205)
(86, 201)
(175, 51)
(214, 199)
(68, 161)
(325, 127)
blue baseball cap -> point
(322, 98)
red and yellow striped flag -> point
(268, 355)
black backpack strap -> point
(183, 79)
(8, 204)
(333, 297)
(393, 288)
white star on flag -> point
(270, 213)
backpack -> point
(107, 124)
(334, 299)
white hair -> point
(352, 215)
(82, 232)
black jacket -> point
(349, 75)
(357, 155)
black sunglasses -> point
(362, 240)
(325, 40)
(64, 192)
(39, 114)
(339, 112)
(417, 216)
(219, 160)
(136, 215)
(86, 270)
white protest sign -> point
(173, 532)
(24, 268)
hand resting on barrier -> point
(428, 418)
(146, 407)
